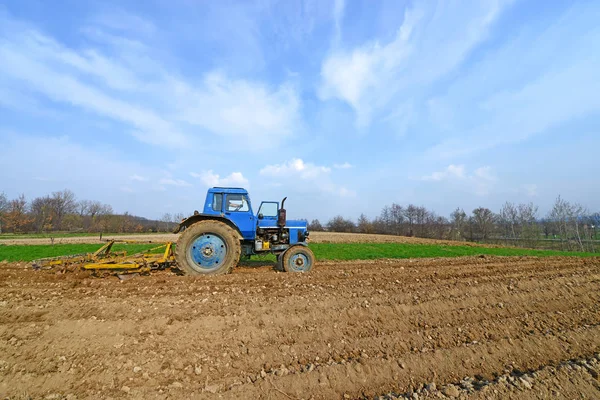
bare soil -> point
(315, 237)
(357, 329)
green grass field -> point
(370, 251)
(323, 251)
(10, 236)
(34, 252)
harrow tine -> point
(113, 262)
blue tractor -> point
(212, 242)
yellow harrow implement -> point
(103, 260)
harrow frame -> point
(103, 260)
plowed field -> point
(346, 330)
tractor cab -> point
(234, 205)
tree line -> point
(570, 225)
(61, 211)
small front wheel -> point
(298, 259)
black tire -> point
(298, 259)
(209, 242)
(279, 265)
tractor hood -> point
(290, 223)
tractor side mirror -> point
(260, 216)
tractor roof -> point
(228, 190)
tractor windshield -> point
(268, 209)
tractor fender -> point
(294, 245)
(203, 217)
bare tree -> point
(411, 215)
(166, 219)
(178, 217)
(3, 207)
(509, 220)
(567, 218)
(315, 226)
(436, 226)
(484, 221)
(578, 213)
(527, 217)
(41, 211)
(459, 222)
(83, 207)
(340, 224)
(396, 219)
(63, 203)
(363, 224)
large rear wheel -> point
(298, 259)
(208, 248)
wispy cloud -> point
(530, 189)
(247, 111)
(174, 182)
(121, 21)
(338, 15)
(319, 175)
(432, 40)
(452, 171)
(297, 167)
(479, 181)
(210, 179)
(156, 107)
(345, 165)
(514, 102)
(136, 177)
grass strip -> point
(13, 253)
(57, 235)
(370, 251)
(323, 251)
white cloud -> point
(433, 39)
(136, 177)
(247, 111)
(338, 15)
(479, 182)
(128, 84)
(318, 175)
(295, 166)
(484, 173)
(120, 20)
(512, 103)
(62, 163)
(210, 179)
(530, 189)
(452, 171)
(345, 165)
(174, 182)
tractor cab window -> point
(217, 203)
(237, 202)
(268, 209)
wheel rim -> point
(207, 252)
(299, 262)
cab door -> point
(237, 208)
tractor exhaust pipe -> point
(281, 215)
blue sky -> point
(343, 106)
